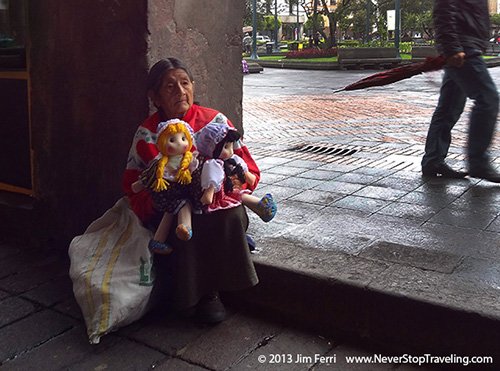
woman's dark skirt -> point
(217, 258)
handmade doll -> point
(215, 143)
(169, 178)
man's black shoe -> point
(442, 170)
(487, 173)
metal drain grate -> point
(324, 150)
(399, 162)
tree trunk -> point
(333, 31)
(315, 17)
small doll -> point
(169, 178)
(215, 142)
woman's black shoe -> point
(442, 170)
(210, 309)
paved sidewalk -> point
(41, 329)
(354, 213)
(362, 247)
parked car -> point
(493, 47)
(247, 42)
(262, 39)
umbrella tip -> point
(338, 90)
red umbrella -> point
(397, 74)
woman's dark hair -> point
(159, 69)
(231, 136)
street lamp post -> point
(276, 25)
(315, 16)
(298, 21)
(254, 30)
(397, 27)
(368, 18)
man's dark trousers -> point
(474, 81)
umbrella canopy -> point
(397, 74)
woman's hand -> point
(137, 186)
(250, 179)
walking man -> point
(462, 31)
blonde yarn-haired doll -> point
(215, 142)
(169, 178)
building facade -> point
(73, 91)
(494, 6)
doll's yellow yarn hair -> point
(183, 175)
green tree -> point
(416, 16)
(357, 22)
(313, 21)
(495, 19)
(268, 6)
(247, 18)
(292, 6)
(343, 10)
(270, 25)
(264, 8)
(309, 25)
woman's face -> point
(175, 96)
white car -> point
(263, 39)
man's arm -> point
(447, 36)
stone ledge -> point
(254, 67)
(300, 65)
(370, 62)
(423, 52)
(366, 53)
(368, 57)
(389, 303)
(492, 62)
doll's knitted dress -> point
(176, 195)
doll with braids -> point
(221, 167)
(170, 179)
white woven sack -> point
(111, 270)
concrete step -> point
(394, 304)
(254, 67)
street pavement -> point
(355, 210)
(41, 328)
(365, 257)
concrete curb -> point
(334, 305)
(254, 67)
(300, 65)
(493, 62)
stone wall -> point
(206, 35)
(88, 64)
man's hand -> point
(456, 60)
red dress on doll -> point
(213, 174)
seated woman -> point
(217, 257)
